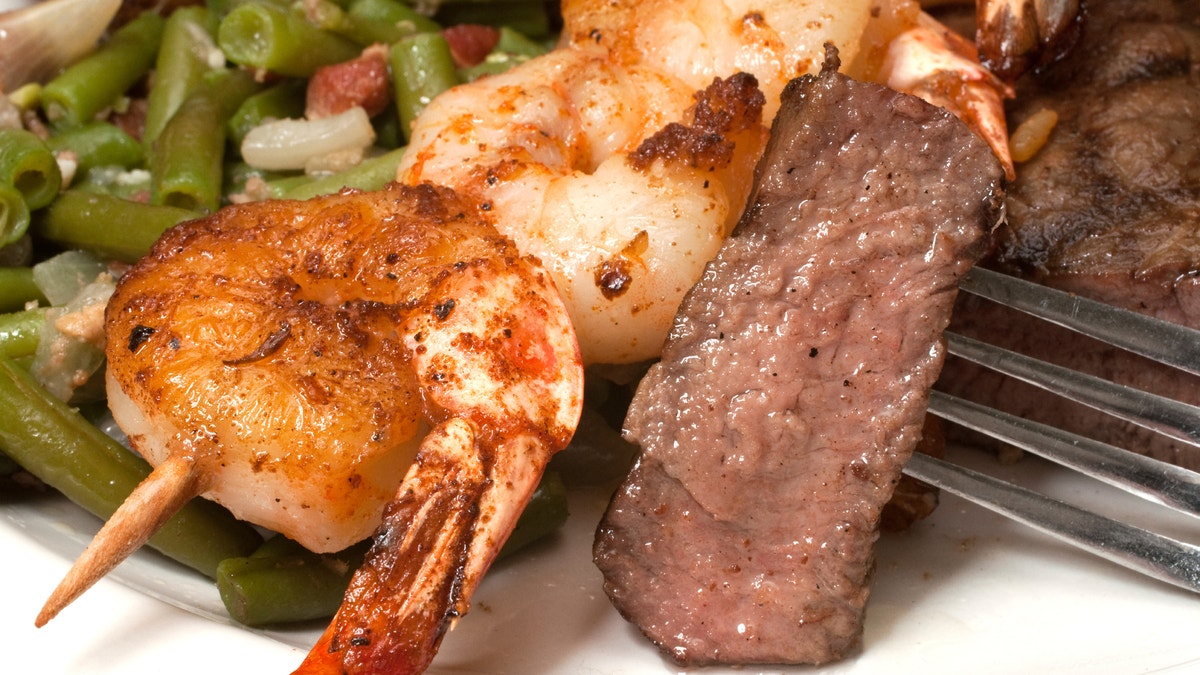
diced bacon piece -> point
(359, 82)
(470, 43)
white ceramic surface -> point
(965, 591)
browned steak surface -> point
(1109, 209)
(1111, 206)
(793, 385)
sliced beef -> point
(794, 383)
(1109, 209)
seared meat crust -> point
(1109, 209)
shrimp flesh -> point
(933, 62)
(297, 361)
(587, 156)
(554, 163)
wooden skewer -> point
(168, 487)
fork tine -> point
(1154, 555)
(1160, 557)
(1158, 413)
(1163, 341)
(1151, 479)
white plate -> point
(965, 591)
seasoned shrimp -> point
(623, 158)
(555, 163)
(297, 361)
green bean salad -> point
(168, 119)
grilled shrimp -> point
(619, 179)
(297, 361)
(623, 158)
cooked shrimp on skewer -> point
(592, 157)
(290, 360)
(552, 150)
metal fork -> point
(1155, 555)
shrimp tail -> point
(415, 582)
(938, 65)
(168, 487)
(1015, 36)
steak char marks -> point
(794, 384)
(1109, 209)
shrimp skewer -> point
(291, 360)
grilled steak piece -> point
(1109, 209)
(794, 383)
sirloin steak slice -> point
(794, 383)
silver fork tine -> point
(1151, 479)
(1163, 415)
(1163, 341)
(1154, 555)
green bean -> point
(370, 174)
(387, 128)
(183, 59)
(238, 177)
(422, 68)
(58, 445)
(515, 42)
(222, 8)
(277, 188)
(98, 144)
(395, 15)
(283, 583)
(14, 215)
(19, 332)
(115, 181)
(597, 455)
(18, 288)
(28, 165)
(528, 18)
(280, 545)
(187, 158)
(274, 39)
(383, 21)
(27, 96)
(110, 226)
(284, 100)
(99, 79)
(512, 49)
(545, 513)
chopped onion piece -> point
(64, 276)
(71, 344)
(280, 145)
